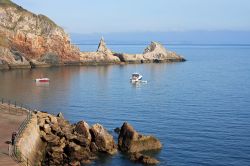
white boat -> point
(136, 77)
(42, 80)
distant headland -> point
(28, 40)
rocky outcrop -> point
(77, 143)
(103, 55)
(145, 159)
(131, 141)
(131, 58)
(103, 140)
(83, 129)
(28, 39)
(154, 53)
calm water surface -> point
(199, 109)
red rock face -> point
(33, 36)
(36, 46)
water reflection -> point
(42, 84)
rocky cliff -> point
(27, 38)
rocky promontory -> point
(29, 40)
(154, 53)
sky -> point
(99, 16)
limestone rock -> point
(47, 128)
(53, 119)
(138, 157)
(103, 140)
(130, 141)
(51, 138)
(81, 140)
(156, 52)
(103, 55)
(130, 58)
(83, 129)
(102, 48)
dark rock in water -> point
(83, 129)
(138, 157)
(103, 140)
(117, 130)
(130, 141)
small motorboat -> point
(42, 80)
(136, 77)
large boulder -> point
(156, 52)
(103, 140)
(83, 129)
(131, 141)
(144, 159)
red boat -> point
(42, 80)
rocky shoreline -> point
(28, 40)
(80, 144)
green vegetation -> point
(7, 2)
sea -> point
(198, 109)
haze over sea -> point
(198, 109)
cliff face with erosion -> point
(29, 38)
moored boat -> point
(136, 77)
(42, 80)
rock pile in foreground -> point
(80, 144)
(73, 144)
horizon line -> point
(171, 44)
